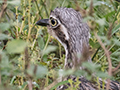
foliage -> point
(29, 55)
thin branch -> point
(95, 53)
(27, 66)
(111, 26)
(39, 11)
(27, 59)
(51, 85)
(0, 79)
(29, 21)
(0, 68)
(113, 5)
(30, 84)
(115, 69)
(46, 45)
(43, 3)
(78, 8)
(91, 8)
(4, 6)
(108, 58)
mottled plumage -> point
(67, 26)
(71, 32)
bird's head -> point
(57, 24)
(67, 26)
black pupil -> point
(53, 21)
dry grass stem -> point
(51, 85)
(108, 58)
(4, 6)
(115, 69)
(30, 84)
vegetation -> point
(32, 59)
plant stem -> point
(17, 22)
(23, 18)
(108, 58)
(38, 9)
(46, 45)
(45, 8)
(29, 23)
(111, 26)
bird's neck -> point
(76, 54)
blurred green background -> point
(32, 59)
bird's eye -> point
(53, 22)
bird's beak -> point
(43, 22)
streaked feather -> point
(74, 35)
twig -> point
(46, 45)
(23, 17)
(60, 50)
(30, 84)
(91, 8)
(0, 68)
(113, 5)
(78, 8)
(108, 58)
(43, 3)
(115, 69)
(95, 53)
(51, 85)
(0, 79)
(27, 66)
(29, 20)
(4, 6)
(39, 11)
(27, 59)
(111, 26)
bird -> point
(68, 27)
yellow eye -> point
(53, 22)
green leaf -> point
(94, 44)
(24, 85)
(59, 84)
(106, 41)
(116, 53)
(90, 66)
(101, 22)
(31, 69)
(12, 80)
(16, 46)
(115, 29)
(40, 42)
(109, 14)
(14, 2)
(117, 59)
(116, 41)
(80, 73)
(4, 60)
(34, 83)
(41, 71)
(45, 58)
(65, 72)
(96, 3)
(4, 26)
(49, 49)
(3, 37)
(102, 74)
